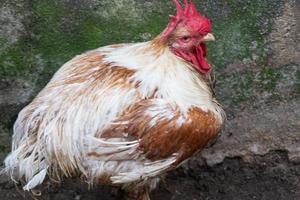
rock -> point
(283, 40)
(257, 132)
(11, 28)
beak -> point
(209, 37)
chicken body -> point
(120, 115)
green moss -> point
(58, 30)
(2, 148)
(297, 85)
(265, 86)
(238, 32)
(62, 31)
(16, 61)
(54, 39)
(2, 41)
(230, 44)
(298, 75)
(269, 78)
(297, 89)
(242, 85)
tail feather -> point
(33, 173)
(36, 180)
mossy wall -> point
(43, 34)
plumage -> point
(121, 114)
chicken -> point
(122, 114)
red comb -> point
(191, 17)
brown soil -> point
(270, 177)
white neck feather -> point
(167, 75)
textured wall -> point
(256, 56)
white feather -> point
(36, 180)
(174, 79)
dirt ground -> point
(269, 177)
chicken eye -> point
(186, 38)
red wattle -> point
(197, 57)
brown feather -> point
(167, 136)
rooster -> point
(123, 114)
